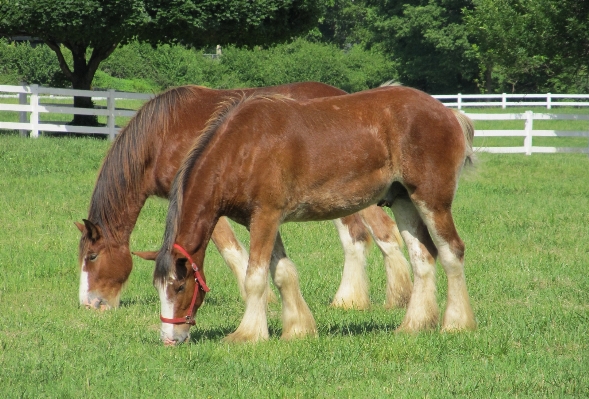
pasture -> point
(525, 222)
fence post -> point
(110, 119)
(34, 111)
(548, 101)
(528, 129)
(22, 115)
(503, 101)
(459, 100)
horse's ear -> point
(80, 227)
(147, 255)
(93, 231)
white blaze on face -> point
(167, 311)
(84, 285)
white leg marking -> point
(297, 320)
(353, 289)
(236, 259)
(254, 324)
(422, 311)
(399, 285)
(459, 314)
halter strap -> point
(197, 276)
(199, 283)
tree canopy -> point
(92, 29)
(441, 46)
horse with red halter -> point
(143, 161)
(264, 161)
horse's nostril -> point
(94, 302)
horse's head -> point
(181, 286)
(104, 268)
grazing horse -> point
(143, 161)
(264, 161)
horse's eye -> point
(92, 257)
(181, 288)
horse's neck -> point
(199, 215)
(118, 218)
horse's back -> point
(363, 141)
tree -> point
(92, 29)
(531, 45)
(428, 41)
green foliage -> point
(240, 22)
(87, 23)
(531, 46)
(523, 220)
(34, 65)
(344, 24)
(428, 41)
(99, 26)
(105, 81)
(172, 65)
(301, 60)
(440, 46)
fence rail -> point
(528, 133)
(505, 100)
(30, 107)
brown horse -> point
(265, 161)
(143, 161)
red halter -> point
(199, 282)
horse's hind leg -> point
(297, 320)
(458, 314)
(234, 254)
(422, 310)
(387, 237)
(353, 289)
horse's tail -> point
(468, 129)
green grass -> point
(525, 223)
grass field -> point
(525, 221)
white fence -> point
(31, 106)
(504, 100)
(528, 133)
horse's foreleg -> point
(353, 289)
(254, 324)
(297, 320)
(422, 310)
(234, 254)
(458, 314)
(387, 237)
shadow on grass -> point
(141, 301)
(357, 328)
(214, 334)
(334, 330)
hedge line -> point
(139, 67)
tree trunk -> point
(489, 79)
(82, 74)
(82, 80)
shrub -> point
(32, 64)
(103, 80)
(352, 70)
